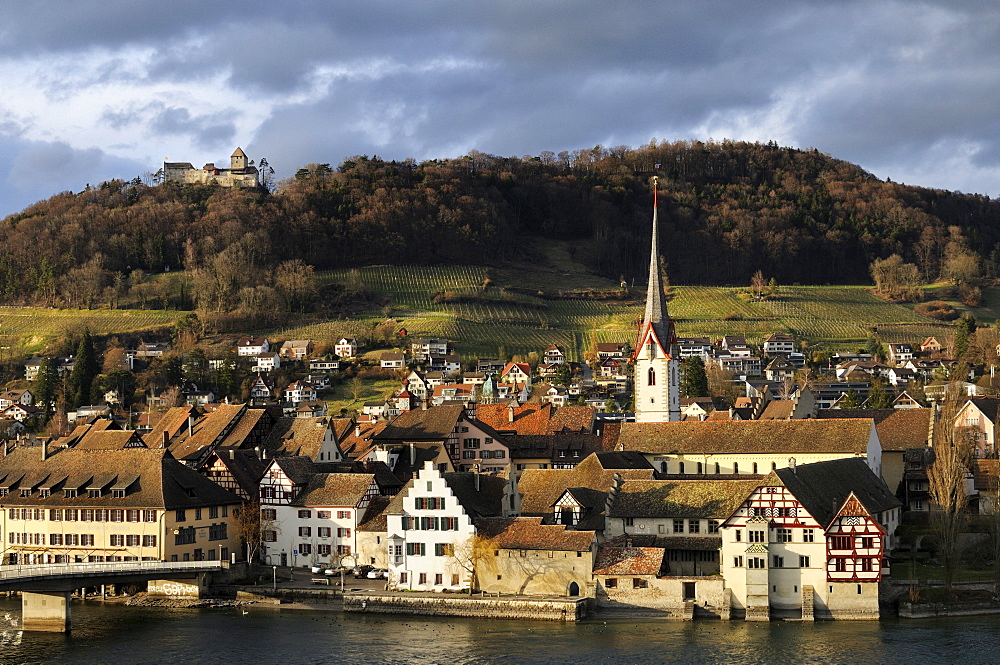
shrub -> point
(936, 309)
(970, 296)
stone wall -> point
(459, 606)
(845, 602)
(664, 593)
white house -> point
(318, 525)
(346, 347)
(300, 391)
(267, 362)
(430, 531)
(252, 346)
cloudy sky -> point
(96, 90)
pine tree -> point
(695, 381)
(85, 369)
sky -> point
(91, 91)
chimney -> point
(357, 430)
(510, 413)
(232, 453)
(166, 439)
(258, 452)
(413, 456)
(190, 425)
(423, 404)
(45, 449)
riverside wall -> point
(569, 609)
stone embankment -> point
(481, 607)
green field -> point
(27, 329)
(835, 317)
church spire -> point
(656, 315)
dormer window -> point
(26, 492)
(94, 493)
(118, 494)
(69, 493)
(44, 494)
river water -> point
(114, 634)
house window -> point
(305, 514)
(197, 514)
(149, 541)
(713, 526)
(305, 548)
(840, 542)
(132, 540)
(213, 512)
(756, 536)
(755, 562)
(343, 514)
(779, 561)
(651, 377)
(807, 536)
(268, 513)
(323, 531)
(699, 468)
(840, 565)
(639, 583)
(784, 535)
(803, 562)
(470, 443)
(678, 526)
(416, 549)
(343, 533)
(866, 565)
(323, 514)
(736, 467)
(867, 543)
(180, 516)
(718, 469)
(305, 531)
(402, 578)
(694, 526)
(270, 536)
(739, 535)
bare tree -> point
(470, 556)
(757, 285)
(250, 526)
(947, 480)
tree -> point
(965, 328)
(296, 283)
(85, 369)
(471, 554)
(250, 526)
(720, 384)
(850, 400)
(874, 347)
(357, 388)
(195, 366)
(896, 280)
(114, 358)
(173, 370)
(878, 396)
(947, 478)
(695, 380)
(46, 385)
(757, 285)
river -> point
(113, 635)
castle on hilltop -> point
(240, 173)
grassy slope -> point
(837, 317)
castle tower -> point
(657, 380)
(238, 160)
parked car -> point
(316, 568)
(361, 572)
(376, 574)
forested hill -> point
(727, 210)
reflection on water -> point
(114, 634)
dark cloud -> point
(892, 86)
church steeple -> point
(657, 395)
(656, 301)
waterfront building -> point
(89, 504)
(431, 534)
(811, 541)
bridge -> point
(46, 588)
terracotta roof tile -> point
(898, 429)
(528, 533)
(629, 561)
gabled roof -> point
(335, 489)
(163, 482)
(823, 487)
(298, 436)
(898, 429)
(754, 436)
(433, 424)
(629, 561)
(528, 533)
(694, 499)
(298, 469)
(487, 501)
(245, 466)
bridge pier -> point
(47, 611)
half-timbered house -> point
(810, 541)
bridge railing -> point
(17, 571)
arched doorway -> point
(574, 589)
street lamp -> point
(274, 579)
